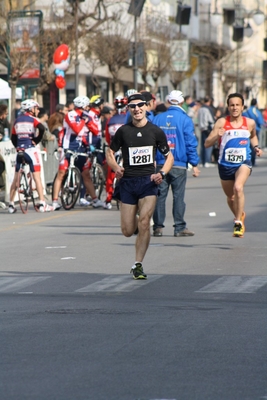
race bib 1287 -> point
(140, 155)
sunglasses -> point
(139, 105)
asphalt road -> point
(74, 325)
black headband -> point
(136, 96)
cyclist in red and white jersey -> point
(95, 128)
(94, 121)
(112, 125)
(74, 136)
(25, 137)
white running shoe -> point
(97, 203)
(45, 207)
(56, 206)
(107, 206)
(84, 203)
(11, 209)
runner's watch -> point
(163, 175)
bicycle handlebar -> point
(76, 154)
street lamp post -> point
(77, 63)
(135, 68)
(135, 9)
(75, 4)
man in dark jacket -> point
(3, 121)
(3, 124)
(179, 130)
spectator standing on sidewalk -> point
(43, 118)
(61, 108)
(55, 123)
(3, 121)
(205, 123)
(179, 130)
(186, 104)
(3, 125)
(151, 104)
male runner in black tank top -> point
(139, 140)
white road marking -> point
(56, 247)
(68, 258)
(117, 284)
(14, 284)
(25, 292)
(235, 284)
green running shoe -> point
(138, 272)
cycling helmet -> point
(81, 101)
(96, 100)
(29, 104)
(130, 92)
(120, 102)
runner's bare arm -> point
(216, 132)
(113, 164)
(168, 163)
(157, 178)
(254, 138)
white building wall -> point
(251, 53)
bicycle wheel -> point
(23, 191)
(32, 193)
(70, 188)
(98, 179)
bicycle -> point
(71, 184)
(25, 189)
(97, 173)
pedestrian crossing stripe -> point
(117, 284)
(14, 284)
(235, 284)
(125, 283)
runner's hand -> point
(258, 151)
(119, 172)
(157, 178)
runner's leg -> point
(128, 219)
(146, 208)
(228, 188)
(241, 175)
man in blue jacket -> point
(254, 113)
(179, 130)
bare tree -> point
(112, 50)
(57, 29)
